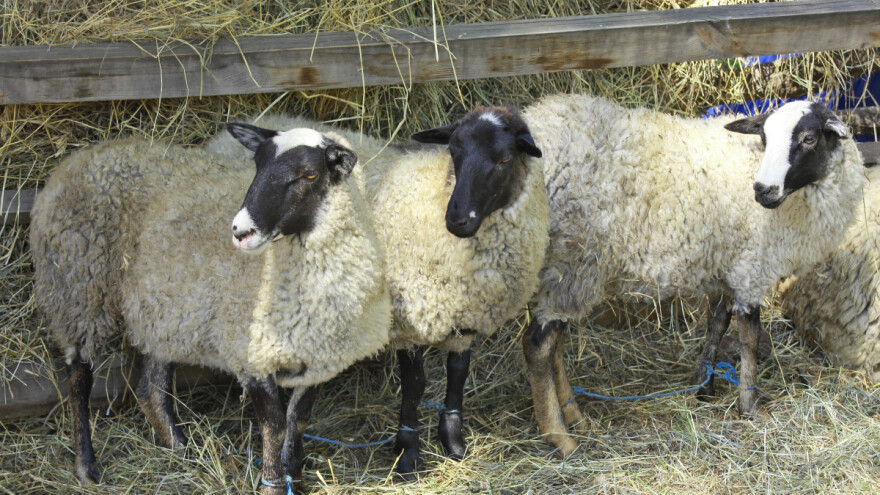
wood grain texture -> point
(118, 71)
(34, 391)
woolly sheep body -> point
(439, 283)
(836, 304)
(155, 254)
(634, 212)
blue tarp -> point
(863, 91)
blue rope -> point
(288, 482)
(352, 445)
(729, 374)
(441, 408)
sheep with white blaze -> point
(646, 203)
(836, 304)
(133, 235)
(447, 288)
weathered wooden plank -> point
(870, 153)
(33, 391)
(334, 60)
(16, 206)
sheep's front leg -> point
(299, 410)
(718, 323)
(79, 376)
(412, 385)
(539, 345)
(570, 409)
(749, 321)
(450, 423)
(270, 414)
(154, 394)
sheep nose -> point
(457, 222)
(764, 190)
(240, 233)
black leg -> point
(154, 395)
(412, 384)
(299, 410)
(749, 322)
(270, 413)
(719, 321)
(449, 426)
(79, 375)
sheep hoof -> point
(409, 464)
(449, 434)
(565, 445)
(87, 472)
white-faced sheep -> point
(447, 288)
(647, 203)
(137, 235)
(836, 304)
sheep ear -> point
(748, 125)
(250, 136)
(438, 135)
(340, 160)
(834, 125)
(526, 144)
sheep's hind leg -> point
(719, 321)
(79, 375)
(270, 413)
(539, 346)
(154, 395)
(570, 410)
(412, 384)
(299, 410)
(450, 423)
(749, 322)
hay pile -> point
(817, 431)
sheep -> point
(133, 234)
(447, 288)
(835, 304)
(647, 203)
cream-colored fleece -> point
(440, 284)
(644, 203)
(836, 304)
(303, 310)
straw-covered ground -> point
(817, 431)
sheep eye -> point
(810, 139)
(311, 176)
(504, 160)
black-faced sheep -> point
(646, 203)
(137, 235)
(445, 289)
(836, 304)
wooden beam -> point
(33, 391)
(16, 206)
(119, 71)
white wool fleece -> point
(836, 304)
(303, 310)
(439, 283)
(644, 203)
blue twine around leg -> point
(288, 483)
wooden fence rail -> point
(262, 64)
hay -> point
(817, 430)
